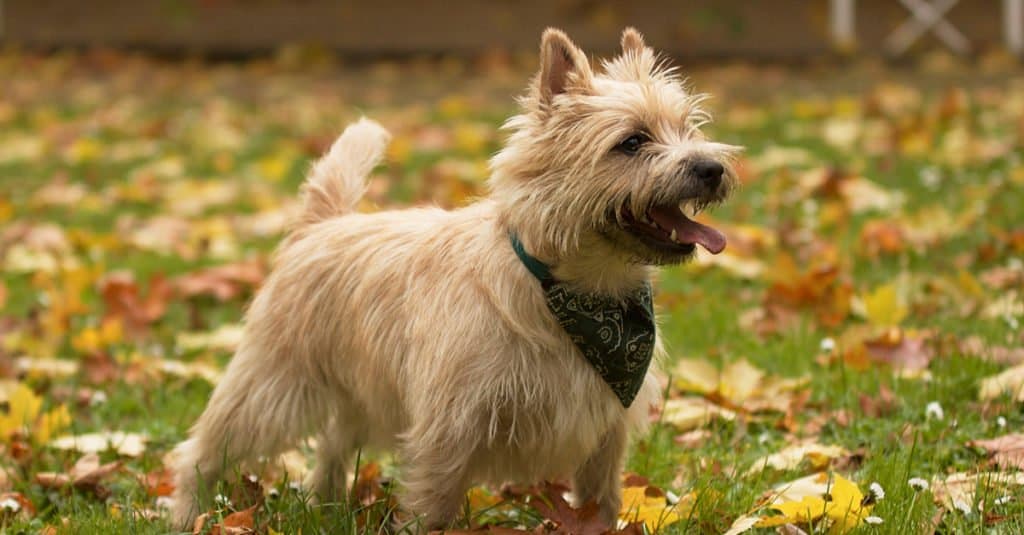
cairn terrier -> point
(505, 341)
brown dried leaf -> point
(223, 282)
(1007, 451)
(583, 521)
(124, 300)
(86, 475)
(904, 350)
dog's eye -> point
(632, 144)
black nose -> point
(709, 172)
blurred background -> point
(151, 153)
(793, 30)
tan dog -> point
(422, 330)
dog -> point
(509, 340)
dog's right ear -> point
(632, 41)
(562, 65)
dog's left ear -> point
(562, 65)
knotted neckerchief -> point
(615, 336)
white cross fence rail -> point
(926, 16)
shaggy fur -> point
(421, 330)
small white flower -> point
(10, 504)
(222, 500)
(1001, 421)
(97, 398)
(934, 410)
(877, 491)
(671, 497)
(1003, 500)
(295, 486)
(273, 493)
(917, 483)
(873, 520)
(828, 345)
(962, 506)
(930, 178)
(164, 502)
(253, 478)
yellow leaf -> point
(740, 380)
(883, 306)
(696, 375)
(87, 340)
(23, 406)
(811, 498)
(846, 509)
(807, 509)
(51, 423)
(692, 412)
(479, 499)
(654, 511)
(83, 149)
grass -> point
(143, 138)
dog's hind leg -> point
(256, 410)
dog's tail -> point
(338, 180)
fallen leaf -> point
(738, 386)
(1007, 451)
(189, 370)
(127, 444)
(225, 338)
(552, 506)
(692, 412)
(87, 475)
(817, 455)
(1009, 381)
(24, 415)
(835, 498)
(649, 505)
(223, 282)
(905, 350)
(960, 488)
(124, 300)
(883, 306)
(46, 367)
(976, 347)
(159, 482)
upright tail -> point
(338, 180)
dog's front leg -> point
(599, 479)
(435, 476)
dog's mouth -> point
(668, 227)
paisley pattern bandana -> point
(615, 336)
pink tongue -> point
(688, 230)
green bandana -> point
(616, 337)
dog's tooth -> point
(673, 235)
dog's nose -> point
(709, 172)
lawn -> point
(872, 287)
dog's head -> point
(617, 154)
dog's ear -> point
(632, 41)
(562, 65)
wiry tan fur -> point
(421, 330)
